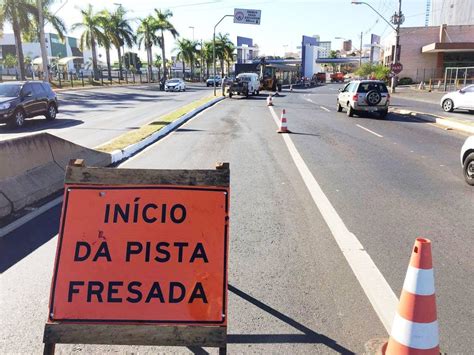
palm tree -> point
(183, 53)
(163, 24)
(224, 50)
(19, 14)
(91, 24)
(229, 50)
(206, 52)
(146, 35)
(158, 63)
(107, 38)
(123, 33)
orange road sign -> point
(142, 254)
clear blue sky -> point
(283, 22)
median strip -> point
(132, 142)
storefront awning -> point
(439, 47)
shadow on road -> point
(35, 125)
(29, 237)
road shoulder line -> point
(368, 130)
(377, 289)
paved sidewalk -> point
(409, 92)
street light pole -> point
(44, 53)
(214, 49)
(397, 20)
(360, 51)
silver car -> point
(461, 99)
(364, 96)
(175, 85)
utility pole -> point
(44, 54)
(360, 51)
(397, 20)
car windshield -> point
(173, 81)
(366, 87)
(10, 90)
(245, 78)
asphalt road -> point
(291, 289)
(94, 116)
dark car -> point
(23, 99)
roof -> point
(438, 47)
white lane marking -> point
(26, 218)
(373, 283)
(325, 109)
(309, 100)
(368, 130)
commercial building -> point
(312, 49)
(451, 12)
(67, 52)
(425, 52)
(247, 51)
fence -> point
(445, 79)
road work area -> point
(295, 286)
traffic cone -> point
(269, 100)
(415, 327)
(283, 126)
(291, 88)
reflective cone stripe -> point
(415, 327)
(283, 126)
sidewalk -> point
(408, 100)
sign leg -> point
(49, 349)
(223, 350)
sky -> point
(282, 23)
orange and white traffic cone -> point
(415, 327)
(291, 88)
(283, 123)
(269, 100)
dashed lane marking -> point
(325, 109)
(377, 289)
(368, 130)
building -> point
(450, 12)
(66, 51)
(247, 51)
(347, 45)
(425, 52)
(324, 49)
(312, 49)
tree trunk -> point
(44, 53)
(184, 70)
(109, 67)
(150, 58)
(94, 58)
(207, 70)
(18, 45)
(222, 68)
(163, 53)
(119, 53)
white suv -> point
(364, 96)
(467, 160)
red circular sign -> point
(396, 68)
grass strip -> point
(143, 132)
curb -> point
(117, 156)
(443, 121)
(120, 155)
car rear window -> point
(47, 88)
(366, 87)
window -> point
(47, 88)
(366, 87)
(38, 89)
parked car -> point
(211, 79)
(364, 96)
(467, 160)
(461, 99)
(23, 99)
(175, 85)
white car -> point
(175, 85)
(467, 160)
(461, 99)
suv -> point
(364, 96)
(210, 81)
(22, 99)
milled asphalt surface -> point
(94, 116)
(291, 290)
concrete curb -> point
(123, 154)
(443, 121)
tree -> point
(163, 25)
(19, 14)
(224, 50)
(183, 49)
(379, 71)
(106, 40)
(158, 63)
(91, 25)
(10, 61)
(146, 35)
(206, 52)
(123, 33)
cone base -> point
(284, 131)
(395, 348)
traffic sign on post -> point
(396, 68)
(142, 247)
(247, 16)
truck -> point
(337, 77)
(245, 84)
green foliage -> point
(378, 71)
(405, 81)
(10, 61)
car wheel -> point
(471, 111)
(51, 113)
(18, 119)
(383, 114)
(258, 92)
(230, 94)
(339, 107)
(448, 105)
(350, 111)
(468, 169)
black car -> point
(23, 99)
